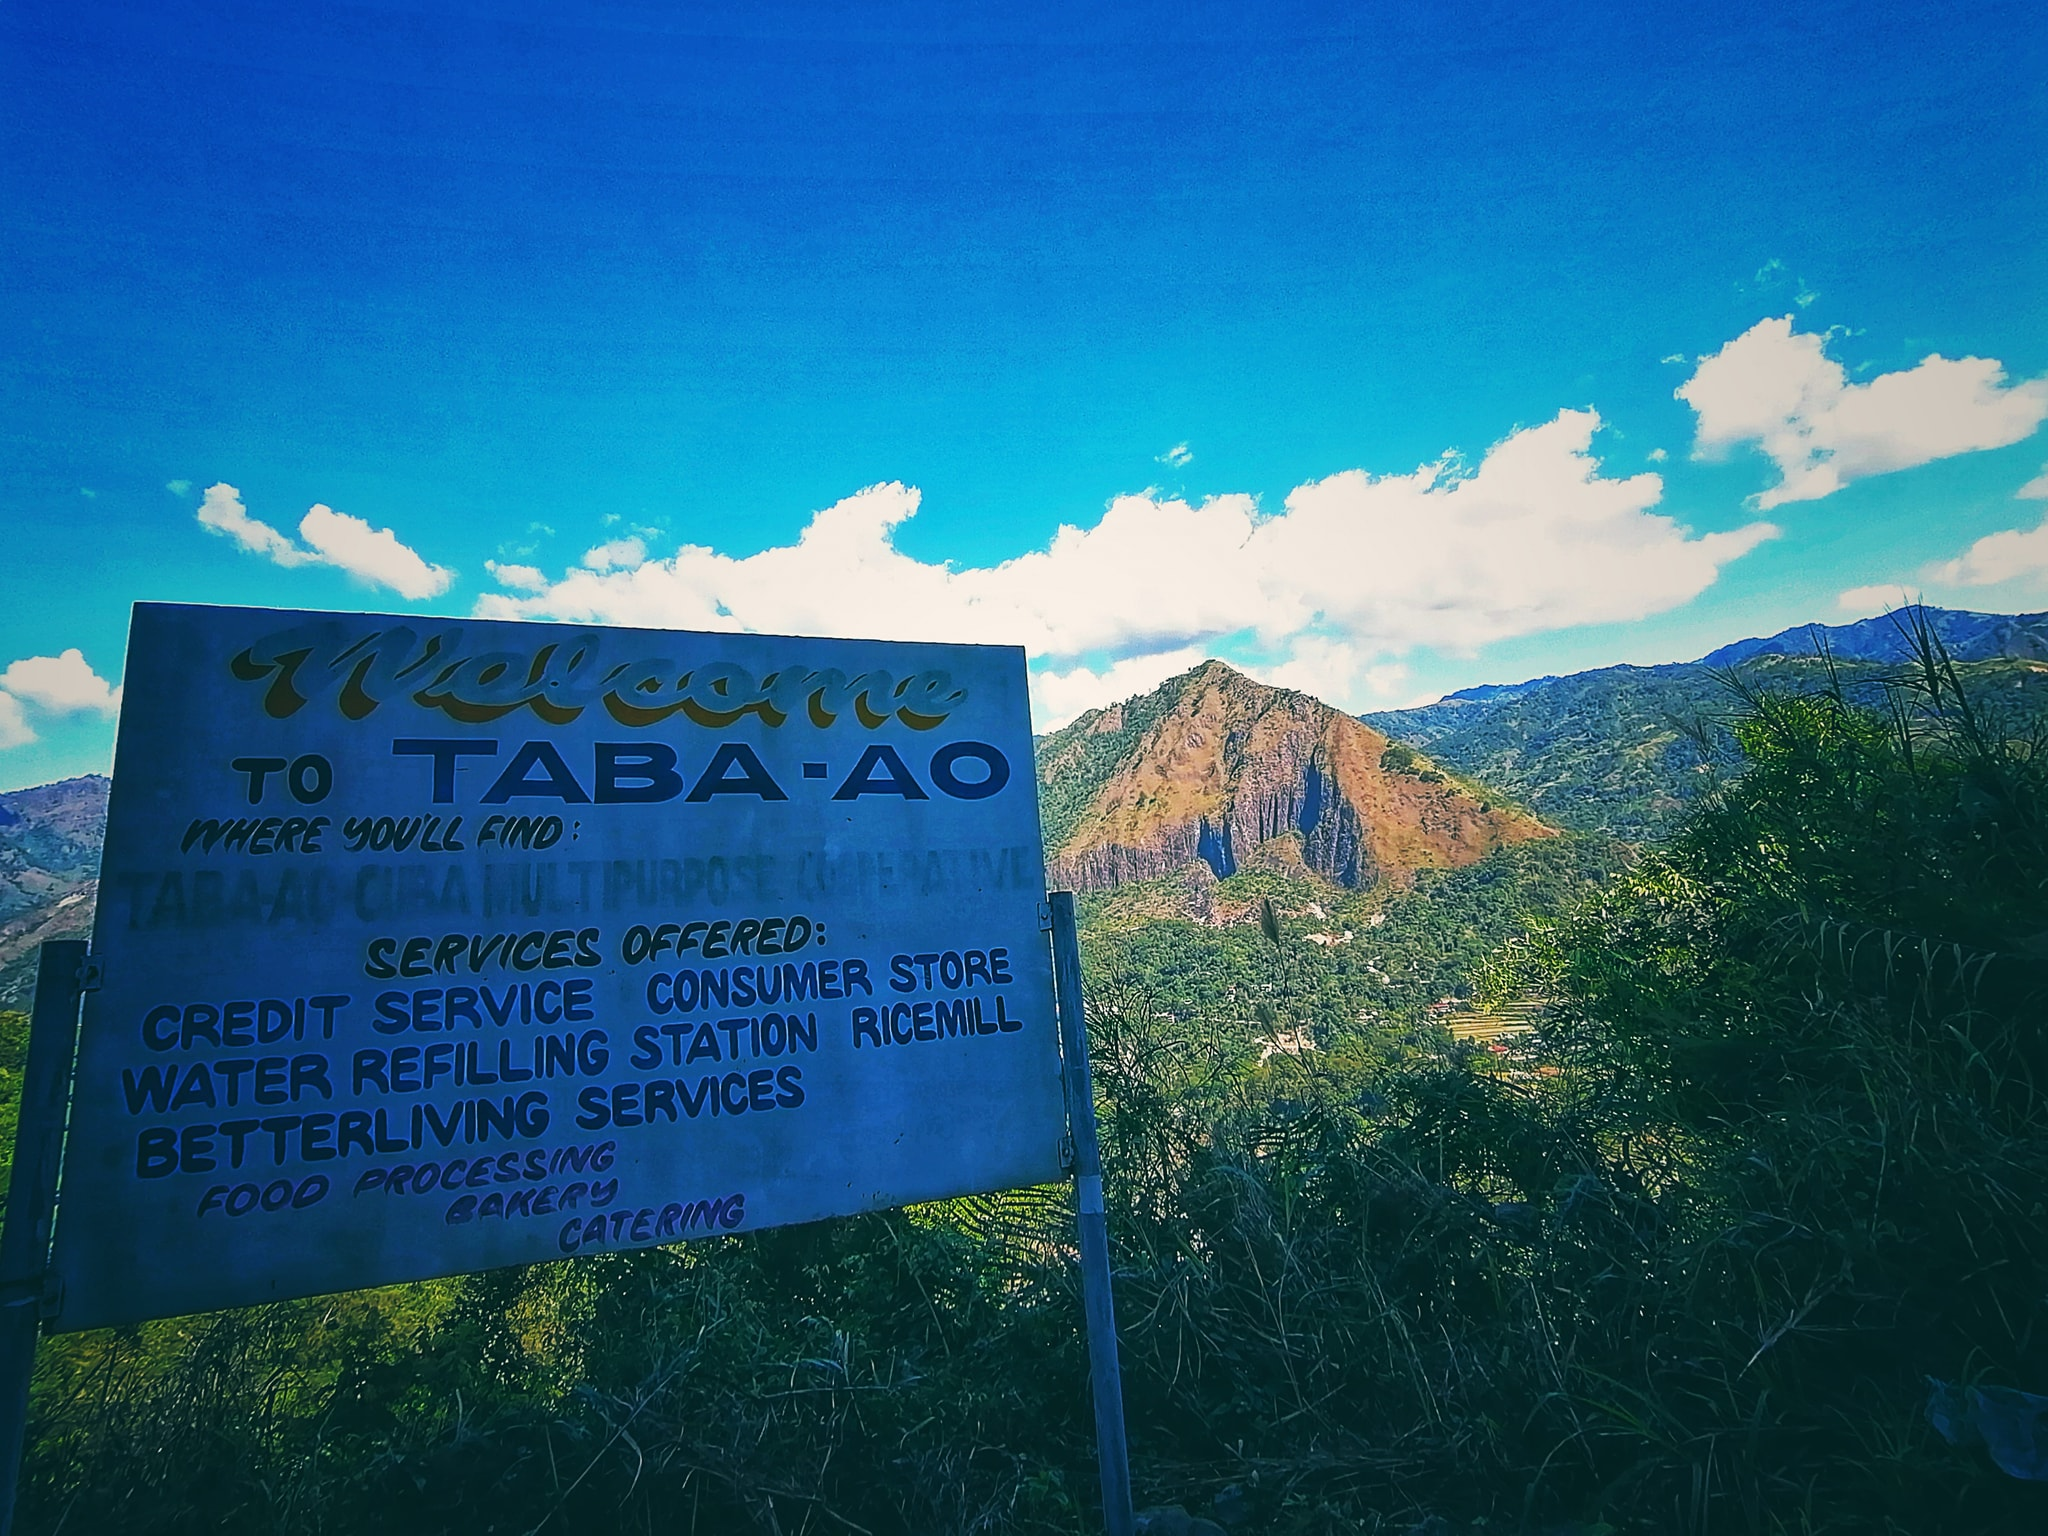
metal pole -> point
(32, 1194)
(1096, 1301)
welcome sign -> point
(428, 946)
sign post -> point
(1104, 1372)
(32, 1194)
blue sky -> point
(519, 286)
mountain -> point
(1625, 750)
(1212, 773)
(1889, 638)
(49, 870)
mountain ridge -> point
(1967, 634)
(1625, 750)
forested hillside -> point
(1626, 750)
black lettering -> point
(865, 1028)
(636, 773)
(996, 770)
(718, 777)
(555, 781)
(444, 753)
(880, 771)
(156, 1152)
(309, 778)
(257, 770)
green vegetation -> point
(1073, 762)
(1685, 1266)
(1628, 751)
(1406, 948)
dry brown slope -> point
(1221, 768)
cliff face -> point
(49, 861)
(1215, 769)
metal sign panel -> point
(429, 946)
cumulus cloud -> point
(1177, 456)
(1057, 697)
(2012, 555)
(64, 684)
(15, 731)
(221, 510)
(1995, 558)
(1778, 389)
(618, 555)
(1354, 570)
(520, 578)
(1332, 668)
(374, 554)
(331, 538)
(1869, 602)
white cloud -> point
(63, 684)
(521, 578)
(221, 510)
(178, 487)
(374, 554)
(2010, 555)
(617, 555)
(1657, 455)
(1995, 558)
(1535, 538)
(1779, 389)
(335, 538)
(15, 731)
(1334, 669)
(1869, 602)
(1177, 456)
(1057, 697)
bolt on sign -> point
(430, 946)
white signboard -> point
(431, 945)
